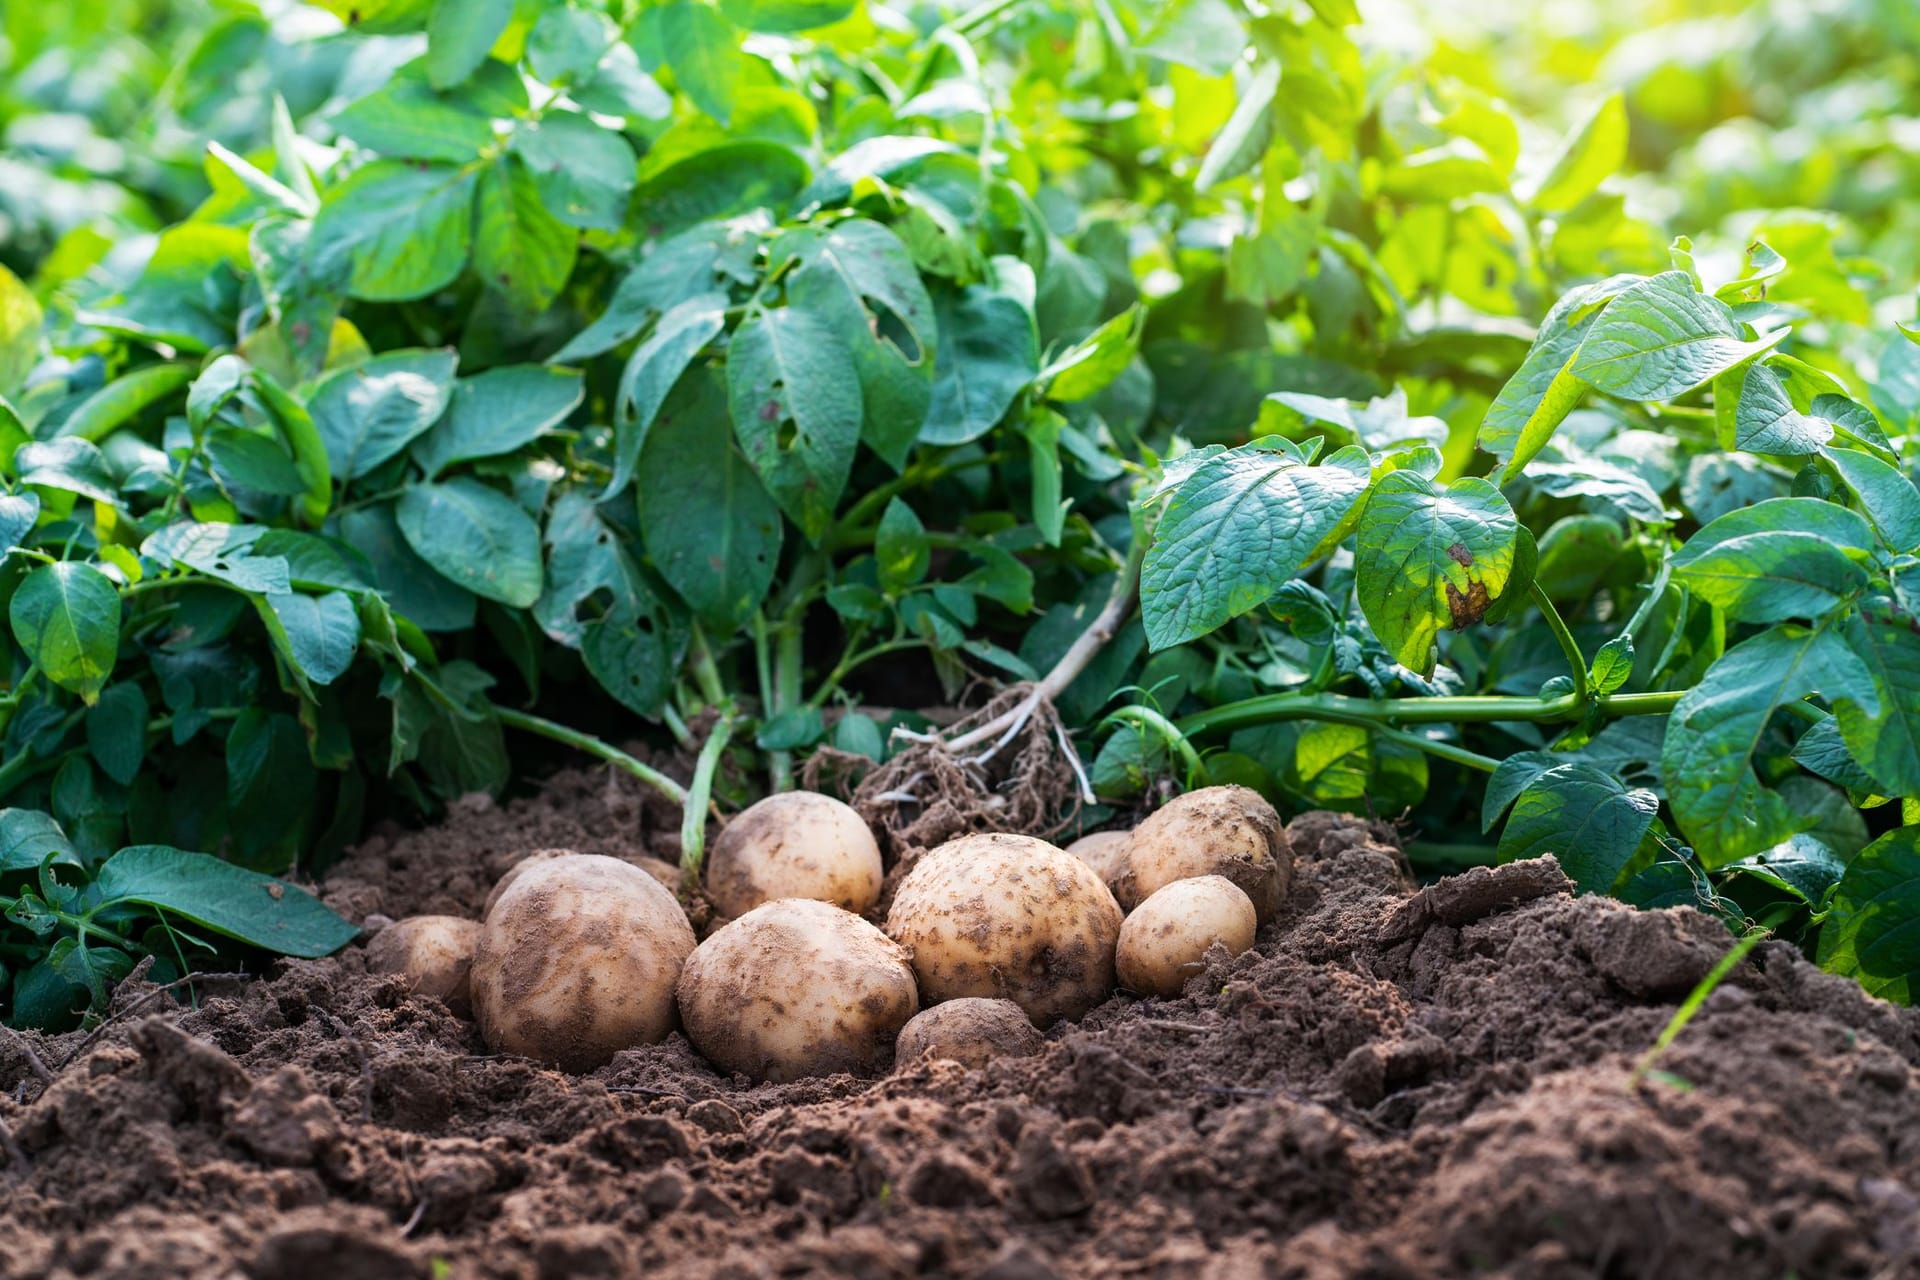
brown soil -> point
(1390, 1085)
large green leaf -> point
(1886, 495)
(370, 412)
(987, 355)
(519, 247)
(1429, 556)
(1869, 933)
(566, 42)
(67, 618)
(498, 412)
(786, 15)
(19, 331)
(411, 119)
(680, 267)
(1538, 398)
(459, 35)
(653, 369)
(700, 47)
(404, 230)
(1594, 152)
(1714, 737)
(588, 565)
(1587, 818)
(1244, 138)
(410, 584)
(117, 731)
(317, 634)
(270, 784)
(29, 837)
(584, 173)
(1662, 338)
(1779, 559)
(1765, 420)
(794, 392)
(476, 537)
(1236, 530)
(1886, 744)
(215, 895)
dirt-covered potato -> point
(1164, 938)
(1215, 831)
(578, 961)
(515, 871)
(1101, 851)
(1010, 917)
(797, 988)
(434, 952)
(970, 1031)
(799, 844)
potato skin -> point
(1102, 851)
(796, 988)
(798, 844)
(435, 953)
(1162, 942)
(971, 1031)
(1010, 917)
(659, 868)
(578, 961)
(1215, 831)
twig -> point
(143, 1002)
(1073, 760)
(34, 1064)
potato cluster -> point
(579, 956)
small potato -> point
(578, 961)
(970, 1031)
(797, 988)
(1215, 831)
(434, 952)
(1010, 917)
(1102, 851)
(662, 870)
(1162, 942)
(799, 844)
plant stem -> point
(853, 661)
(786, 693)
(1145, 718)
(1568, 645)
(1477, 709)
(705, 673)
(1706, 987)
(593, 746)
(693, 818)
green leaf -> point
(730, 180)
(1888, 497)
(878, 157)
(653, 370)
(254, 460)
(713, 533)
(702, 49)
(900, 548)
(1243, 140)
(794, 393)
(1779, 559)
(1207, 35)
(1511, 777)
(1765, 420)
(1594, 152)
(416, 591)
(228, 900)
(20, 325)
(215, 386)
(1869, 933)
(380, 17)
(1042, 429)
(18, 514)
(618, 87)
(1240, 527)
(315, 563)
(631, 661)
(371, 412)
(1887, 744)
(1821, 750)
(1661, 339)
(566, 42)
(403, 230)
(1538, 398)
(117, 731)
(682, 266)
(987, 356)
(476, 537)
(1714, 737)
(120, 400)
(69, 464)
(1801, 865)
(317, 634)
(518, 247)
(1853, 421)
(269, 784)
(584, 173)
(411, 119)
(588, 565)
(784, 16)
(28, 837)
(1429, 556)
(1090, 365)
(499, 411)
(794, 729)
(223, 552)
(67, 618)
(1591, 821)
(459, 35)
(1612, 665)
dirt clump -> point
(1391, 1084)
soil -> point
(1392, 1084)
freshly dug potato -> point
(578, 961)
(1102, 851)
(1010, 917)
(799, 844)
(515, 871)
(1215, 831)
(660, 869)
(434, 952)
(970, 1031)
(1162, 942)
(797, 988)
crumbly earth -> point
(1388, 1085)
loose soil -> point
(1392, 1084)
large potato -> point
(798, 844)
(435, 953)
(797, 988)
(659, 868)
(970, 1031)
(578, 961)
(1010, 917)
(1102, 851)
(1163, 941)
(1215, 831)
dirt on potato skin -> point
(1389, 1085)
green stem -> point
(1145, 718)
(593, 746)
(693, 817)
(1568, 645)
(786, 694)
(705, 673)
(854, 660)
(1476, 709)
(1436, 749)
(1752, 938)
(875, 500)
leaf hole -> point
(889, 328)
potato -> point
(1215, 831)
(1010, 917)
(1101, 851)
(970, 1031)
(434, 952)
(659, 868)
(799, 844)
(578, 961)
(797, 988)
(1162, 942)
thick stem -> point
(660, 782)
(1568, 645)
(693, 819)
(786, 693)
(1477, 709)
(705, 674)
(1147, 719)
